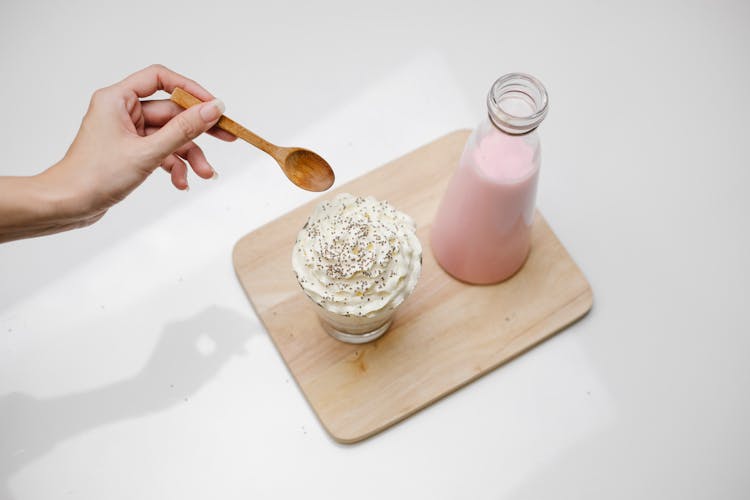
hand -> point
(122, 140)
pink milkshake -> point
(481, 233)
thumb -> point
(185, 127)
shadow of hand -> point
(188, 354)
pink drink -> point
(481, 233)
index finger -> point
(157, 77)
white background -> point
(132, 365)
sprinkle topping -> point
(357, 256)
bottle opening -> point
(517, 103)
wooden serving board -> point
(444, 336)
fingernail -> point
(187, 188)
(215, 176)
(211, 111)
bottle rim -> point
(519, 86)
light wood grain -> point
(444, 336)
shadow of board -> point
(177, 368)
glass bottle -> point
(482, 231)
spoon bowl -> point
(304, 168)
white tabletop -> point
(133, 366)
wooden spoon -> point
(303, 167)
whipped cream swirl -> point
(357, 257)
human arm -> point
(121, 141)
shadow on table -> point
(188, 354)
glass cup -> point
(355, 329)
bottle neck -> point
(517, 103)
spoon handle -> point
(186, 100)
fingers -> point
(193, 154)
(177, 168)
(184, 127)
(221, 134)
(156, 113)
(197, 160)
(156, 77)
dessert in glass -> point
(357, 259)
